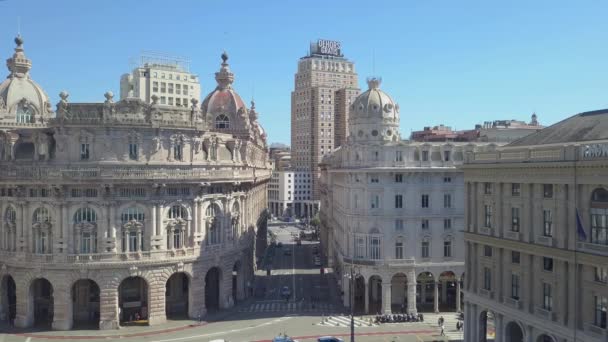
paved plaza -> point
(313, 309)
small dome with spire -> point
(223, 107)
(374, 116)
(20, 96)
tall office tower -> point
(325, 85)
(167, 77)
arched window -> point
(235, 220)
(24, 114)
(132, 213)
(177, 226)
(85, 215)
(177, 211)
(41, 230)
(222, 121)
(599, 216)
(85, 230)
(213, 225)
(41, 215)
(9, 229)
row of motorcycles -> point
(399, 318)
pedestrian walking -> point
(442, 330)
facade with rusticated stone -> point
(125, 212)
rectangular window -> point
(178, 89)
(548, 264)
(447, 200)
(185, 89)
(178, 101)
(515, 189)
(155, 87)
(447, 179)
(425, 155)
(170, 88)
(177, 152)
(425, 224)
(547, 223)
(601, 302)
(399, 225)
(398, 156)
(447, 224)
(547, 297)
(374, 179)
(487, 251)
(90, 193)
(601, 274)
(163, 100)
(398, 178)
(487, 216)
(515, 257)
(133, 151)
(515, 286)
(163, 87)
(374, 248)
(425, 201)
(375, 202)
(447, 249)
(132, 241)
(515, 219)
(548, 190)
(398, 250)
(487, 188)
(425, 249)
(84, 151)
(599, 226)
(170, 103)
(446, 155)
(398, 201)
(487, 278)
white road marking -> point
(28, 339)
(221, 332)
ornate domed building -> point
(117, 211)
(393, 212)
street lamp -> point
(351, 276)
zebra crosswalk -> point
(281, 306)
(344, 321)
(450, 319)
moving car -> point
(329, 339)
(285, 292)
(283, 338)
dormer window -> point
(222, 122)
(24, 114)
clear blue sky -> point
(452, 62)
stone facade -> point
(102, 203)
(536, 236)
(392, 211)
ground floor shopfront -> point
(135, 294)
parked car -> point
(283, 338)
(329, 339)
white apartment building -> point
(537, 236)
(281, 193)
(393, 212)
(168, 78)
(109, 211)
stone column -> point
(138, 247)
(386, 297)
(22, 241)
(366, 296)
(25, 305)
(78, 238)
(411, 292)
(108, 308)
(195, 217)
(112, 228)
(498, 327)
(102, 230)
(189, 235)
(458, 304)
(62, 308)
(468, 323)
(346, 285)
(436, 296)
(65, 227)
(159, 228)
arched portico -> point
(448, 291)
(238, 282)
(212, 289)
(425, 288)
(8, 299)
(545, 338)
(177, 296)
(133, 301)
(41, 296)
(486, 326)
(85, 304)
(514, 332)
(399, 293)
(375, 294)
